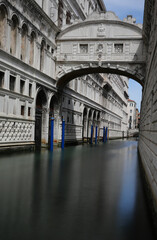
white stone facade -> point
(131, 109)
(28, 93)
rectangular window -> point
(130, 111)
(12, 83)
(30, 89)
(22, 110)
(83, 48)
(1, 79)
(118, 48)
(29, 111)
(22, 86)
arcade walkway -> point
(82, 193)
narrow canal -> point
(85, 192)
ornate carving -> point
(101, 30)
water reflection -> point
(80, 193)
(127, 193)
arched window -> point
(42, 55)
(32, 45)
(24, 42)
(3, 26)
(14, 27)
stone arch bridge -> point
(101, 44)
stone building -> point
(28, 93)
(148, 118)
(131, 108)
(137, 118)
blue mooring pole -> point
(103, 134)
(63, 133)
(96, 133)
(91, 140)
(106, 133)
(51, 136)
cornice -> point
(42, 14)
(105, 21)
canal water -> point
(81, 193)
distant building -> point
(137, 118)
(131, 108)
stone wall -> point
(148, 122)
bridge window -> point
(118, 48)
(83, 48)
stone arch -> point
(24, 34)
(94, 115)
(90, 114)
(41, 99)
(98, 116)
(3, 25)
(42, 54)
(54, 112)
(53, 105)
(32, 47)
(66, 74)
(85, 124)
(41, 128)
(90, 122)
(14, 32)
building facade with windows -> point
(131, 114)
(28, 93)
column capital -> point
(38, 45)
(19, 30)
(9, 22)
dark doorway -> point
(53, 107)
(84, 129)
(40, 101)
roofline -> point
(129, 100)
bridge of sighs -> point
(101, 44)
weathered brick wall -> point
(148, 125)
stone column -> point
(6, 79)
(28, 39)
(17, 85)
(18, 50)
(37, 62)
(26, 90)
(9, 22)
(26, 109)
(45, 126)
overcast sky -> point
(122, 8)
